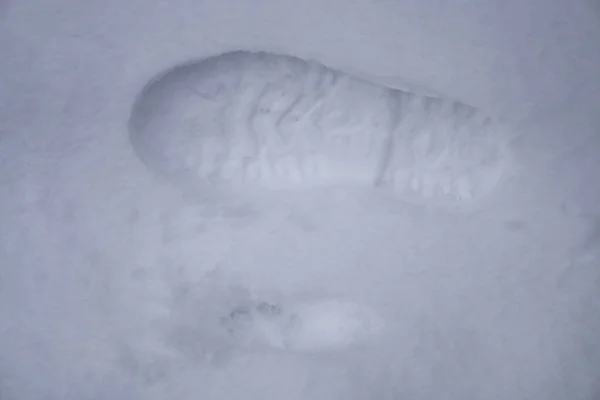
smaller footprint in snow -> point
(308, 326)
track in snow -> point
(262, 120)
(304, 326)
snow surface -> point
(262, 120)
(120, 282)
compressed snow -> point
(307, 326)
(278, 122)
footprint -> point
(245, 120)
(308, 326)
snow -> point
(273, 121)
(303, 326)
(116, 276)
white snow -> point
(322, 325)
(455, 258)
(271, 121)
